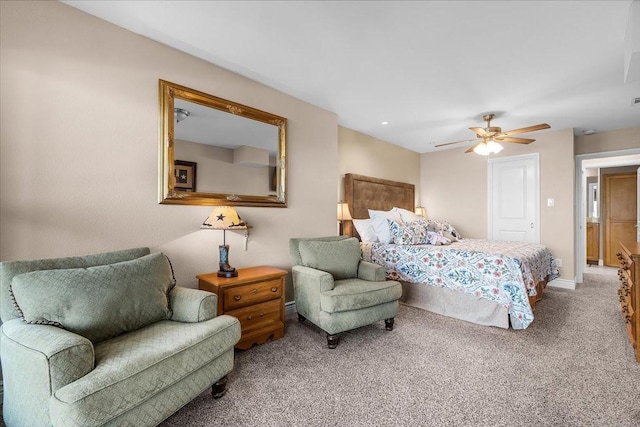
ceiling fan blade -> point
(527, 129)
(479, 131)
(455, 142)
(473, 147)
(516, 140)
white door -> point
(514, 198)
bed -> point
(493, 283)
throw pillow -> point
(340, 258)
(414, 233)
(97, 302)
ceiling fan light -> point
(494, 147)
(482, 149)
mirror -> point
(218, 152)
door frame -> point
(592, 160)
(536, 192)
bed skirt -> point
(458, 305)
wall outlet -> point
(559, 262)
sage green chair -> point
(107, 340)
(337, 291)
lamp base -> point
(225, 269)
(224, 273)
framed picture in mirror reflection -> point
(185, 173)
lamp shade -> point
(343, 212)
(224, 218)
(421, 211)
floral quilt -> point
(501, 271)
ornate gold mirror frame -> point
(223, 190)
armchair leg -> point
(333, 340)
(301, 318)
(219, 388)
(388, 324)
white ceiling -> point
(431, 68)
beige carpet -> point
(573, 366)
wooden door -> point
(619, 212)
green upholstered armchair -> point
(107, 339)
(337, 291)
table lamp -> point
(343, 215)
(225, 218)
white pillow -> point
(380, 224)
(365, 230)
(407, 216)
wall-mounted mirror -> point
(218, 152)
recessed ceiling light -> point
(384, 123)
(589, 131)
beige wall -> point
(79, 147)
(608, 141)
(454, 187)
(364, 155)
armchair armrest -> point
(314, 280)
(371, 272)
(192, 305)
(37, 360)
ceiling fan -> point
(489, 137)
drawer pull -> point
(237, 298)
(249, 318)
(274, 289)
(255, 291)
(261, 314)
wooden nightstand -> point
(255, 297)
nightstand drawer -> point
(262, 315)
(242, 296)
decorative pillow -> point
(414, 233)
(97, 302)
(447, 229)
(407, 216)
(437, 238)
(365, 230)
(380, 225)
(338, 257)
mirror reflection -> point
(219, 152)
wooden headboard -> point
(362, 193)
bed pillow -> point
(340, 258)
(407, 216)
(413, 233)
(380, 224)
(97, 302)
(365, 230)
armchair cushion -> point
(97, 302)
(10, 269)
(340, 258)
(354, 294)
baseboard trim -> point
(563, 284)
(289, 308)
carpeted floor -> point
(573, 366)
